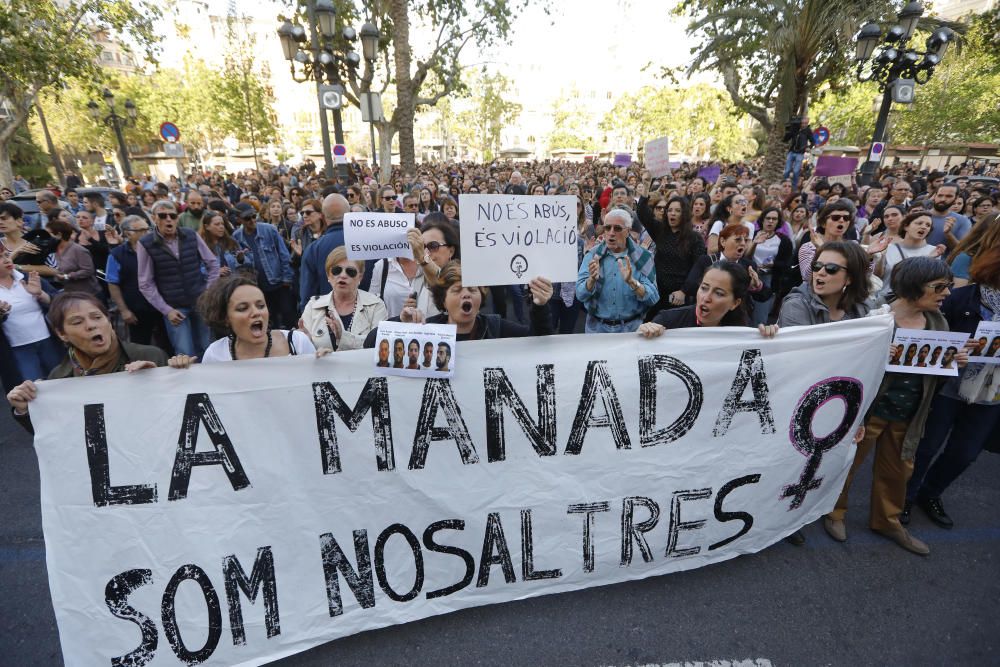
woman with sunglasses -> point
(341, 319)
(433, 246)
(837, 289)
(895, 421)
(832, 223)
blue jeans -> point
(761, 309)
(594, 325)
(191, 336)
(793, 165)
(970, 427)
(36, 360)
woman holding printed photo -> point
(896, 419)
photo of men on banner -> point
(416, 350)
(925, 352)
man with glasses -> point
(272, 263)
(122, 275)
(48, 205)
(899, 195)
(617, 279)
(175, 266)
(411, 203)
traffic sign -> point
(878, 148)
(821, 135)
(331, 97)
(173, 150)
(340, 154)
(169, 132)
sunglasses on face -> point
(164, 216)
(831, 268)
(834, 217)
(138, 230)
(435, 245)
(388, 197)
(616, 229)
(349, 270)
(659, 208)
(307, 211)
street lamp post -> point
(896, 67)
(116, 122)
(369, 47)
(322, 61)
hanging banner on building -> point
(377, 235)
(511, 239)
(245, 511)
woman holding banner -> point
(895, 421)
(237, 308)
(435, 244)
(82, 323)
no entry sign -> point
(169, 132)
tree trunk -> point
(774, 157)
(402, 117)
(385, 134)
(6, 172)
(56, 162)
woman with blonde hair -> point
(343, 318)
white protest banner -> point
(987, 343)
(511, 239)
(415, 350)
(925, 352)
(245, 511)
(657, 157)
(377, 235)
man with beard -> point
(443, 357)
(413, 355)
(949, 227)
(383, 353)
(191, 217)
(428, 354)
(398, 352)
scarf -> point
(981, 382)
(641, 258)
(109, 362)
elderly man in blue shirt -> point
(617, 279)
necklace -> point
(232, 346)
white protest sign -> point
(511, 239)
(377, 235)
(925, 352)
(657, 157)
(415, 350)
(249, 510)
(987, 343)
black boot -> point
(797, 538)
(904, 516)
(935, 511)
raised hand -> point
(625, 268)
(755, 282)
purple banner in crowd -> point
(710, 174)
(830, 165)
(622, 159)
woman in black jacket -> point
(772, 252)
(678, 246)
(460, 305)
(733, 242)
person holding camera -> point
(799, 136)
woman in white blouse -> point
(341, 319)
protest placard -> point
(622, 159)
(657, 157)
(377, 235)
(415, 350)
(836, 169)
(245, 511)
(925, 352)
(710, 174)
(511, 239)
(987, 339)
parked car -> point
(26, 202)
(989, 181)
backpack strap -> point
(291, 345)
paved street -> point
(864, 603)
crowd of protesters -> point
(223, 267)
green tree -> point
(848, 113)
(700, 120)
(43, 42)
(492, 111)
(421, 73)
(247, 110)
(29, 160)
(570, 120)
(773, 56)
